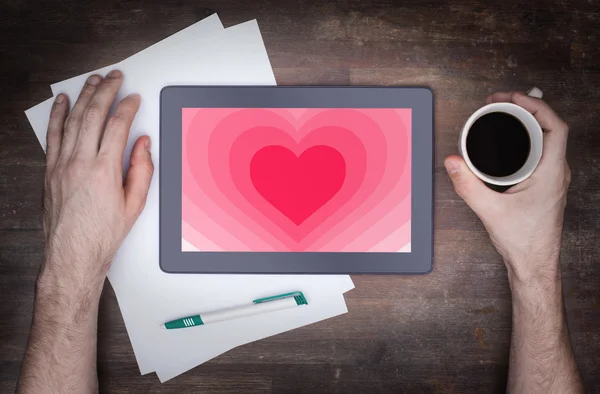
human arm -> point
(88, 211)
(525, 225)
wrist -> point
(71, 271)
(542, 270)
(532, 282)
(68, 291)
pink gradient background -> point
(223, 211)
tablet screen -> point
(302, 180)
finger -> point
(499, 97)
(471, 189)
(94, 115)
(73, 122)
(544, 114)
(138, 178)
(56, 124)
(117, 128)
(557, 130)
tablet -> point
(298, 180)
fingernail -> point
(114, 74)
(60, 98)
(148, 144)
(452, 166)
(94, 80)
(135, 96)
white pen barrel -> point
(249, 310)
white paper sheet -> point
(38, 119)
(148, 297)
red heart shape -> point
(240, 190)
(297, 185)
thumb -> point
(470, 188)
(138, 178)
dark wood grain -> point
(447, 332)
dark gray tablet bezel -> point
(174, 98)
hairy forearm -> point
(61, 353)
(541, 357)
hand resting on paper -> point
(525, 225)
(88, 211)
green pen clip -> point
(298, 297)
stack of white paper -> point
(203, 54)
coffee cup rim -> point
(535, 135)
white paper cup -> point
(533, 128)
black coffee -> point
(498, 144)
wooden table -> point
(447, 332)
